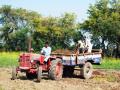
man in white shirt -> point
(88, 45)
(46, 50)
(81, 46)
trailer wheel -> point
(56, 69)
(39, 73)
(68, 71)
(14, 73)
(87, 70)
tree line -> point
(104, 24)
(18, 26)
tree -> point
(69, 26)
(57, 30)
(103, 22)
(18, 23)
(15, 21)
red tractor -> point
(33, 65)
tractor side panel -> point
(41, 58)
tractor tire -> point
(56, 69)
(39, 73)
(87, 70)
(68, 71)
(14, 73)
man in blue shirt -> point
(46, 50)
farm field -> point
(101, 80)
(81, 37)
(105, 77)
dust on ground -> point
(101, 80)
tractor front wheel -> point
(14, 73)
(39, 73)
(56, 69)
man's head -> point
(46, 44)
(79, 41)
(31, 50)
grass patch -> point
(1, 88)
(8, 59)
(109, 63)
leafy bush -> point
(109, 63)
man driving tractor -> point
(46, 50)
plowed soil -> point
(101, 80)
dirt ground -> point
(101, 80)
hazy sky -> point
(53, 7)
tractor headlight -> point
(32, 61)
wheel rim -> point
(87, 71)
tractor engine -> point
(30, 60)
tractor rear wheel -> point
(56, 69)
(87, 70)
(14, 73)
(39, 73)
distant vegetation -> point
(9, 59)
(18, 27)
(109, 63)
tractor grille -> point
(25, 61)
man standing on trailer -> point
(46, 50)
(88, 45)
(81, 46)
